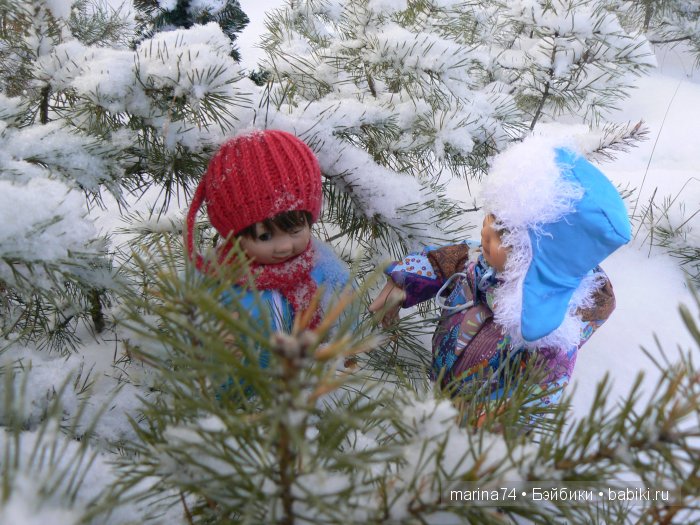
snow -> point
(435, 435)
(168, 5)
(58, 8)
(109, 397)
(191, 64)
(52, 225)
(378, 189)
(648, 282)
(42, 151)
(41, 493)
(671, 156)
(649, 285)
(211, 6)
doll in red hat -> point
(263, 190)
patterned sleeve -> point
(422, 274)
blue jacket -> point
(270, 306)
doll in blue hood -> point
(533, 288)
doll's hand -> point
(387, 304)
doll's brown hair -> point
(285, 221)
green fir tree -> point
(185, 14)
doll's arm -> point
(388, 303)
(449, 260)
(417, 278)
(421, 275)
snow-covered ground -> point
(649, 285)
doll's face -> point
(494, 253)
(273, 245)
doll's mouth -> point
(278, 259)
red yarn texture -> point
(292, 279)
(255, 177)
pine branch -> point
(671, 40)
(618, 138)
(300, 421)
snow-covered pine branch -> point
(304, 440)
(393, 100)
(569, 57)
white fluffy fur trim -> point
(524, 190)
(524, 187)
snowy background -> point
(649, 286)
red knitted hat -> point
(253, 177)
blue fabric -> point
(565, 251)
(273, 311)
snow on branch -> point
(50, 150)
(42, 222)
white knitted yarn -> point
(525, 190)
